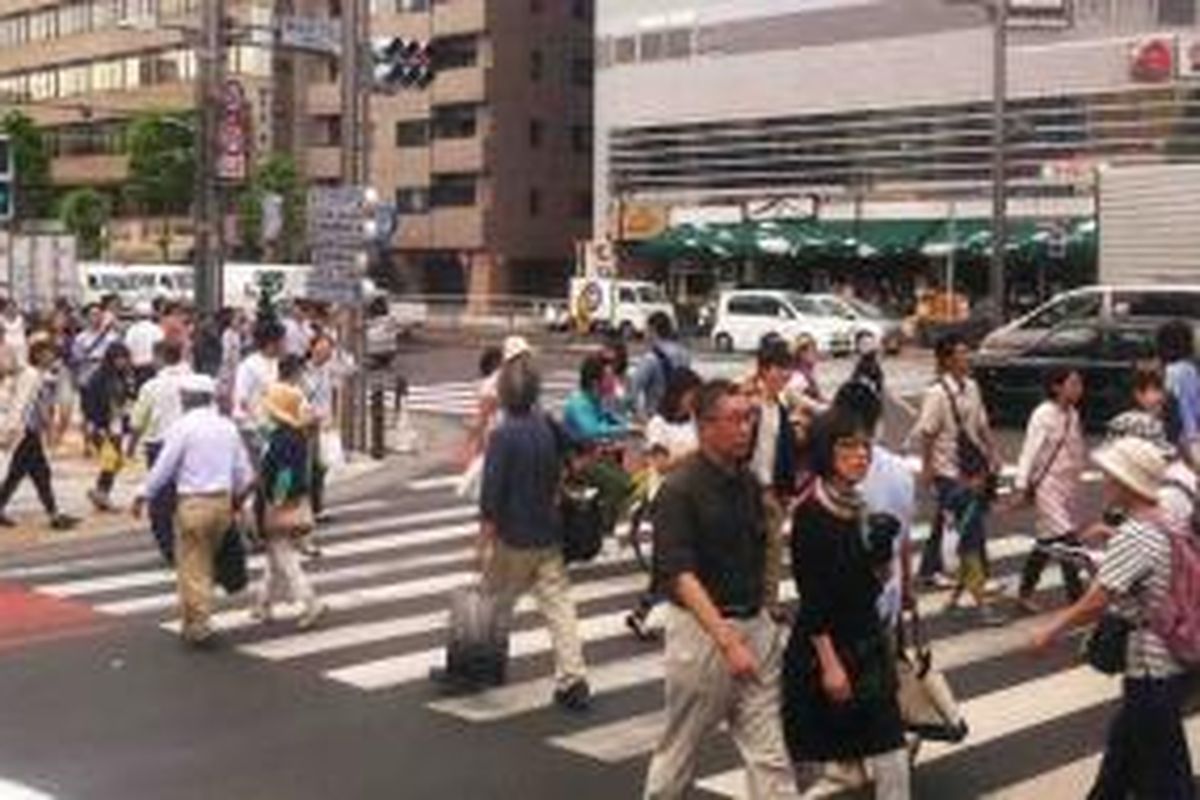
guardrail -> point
(494, 313)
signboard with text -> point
(336, 234)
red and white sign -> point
(1153, 60)
(233, 133)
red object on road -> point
(28, 618)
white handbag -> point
(470, 484)
(950, 542)
(927, 703)
(329, 445)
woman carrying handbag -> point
(288, 517)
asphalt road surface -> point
(100, 702)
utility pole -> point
(355, 33)
(206, 208)
(996, 277)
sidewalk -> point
(74, 475)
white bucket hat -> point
(515, 347)
(1136, 464)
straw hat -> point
(515, 347)
(1136, 464)
(284, 403)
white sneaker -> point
(312, 612)
(993, 586)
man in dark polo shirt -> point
(723, 650)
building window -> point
(581, 138)
(625, 50)
(1177, 12)
(74, 18)
(679, 43)
(582, 70)
(14, 30)
(412, 133)
(404, 6)
(43, 85)
(456, 52)
(653, 46)
(412, 200)
(581, 205)
(74, 81)
(455, 121)
(535, 202)
(537, 65)
(453, 190)
(536, 131)
(581, 9)
(43, 26)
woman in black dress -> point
(839, 680)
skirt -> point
(815, 728)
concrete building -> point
(490, 166)
(879, 108)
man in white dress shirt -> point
(203, 456)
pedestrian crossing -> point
(388, 565)
(461, 398)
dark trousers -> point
(969, 511)
(1146, 755)
(29, 460)
(142, 375)
(162, 510)
(1036, 563)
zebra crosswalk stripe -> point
(385, 577)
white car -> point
(867, 318)
(745, 316)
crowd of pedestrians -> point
(234, 411)
(749, 482)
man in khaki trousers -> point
(723, 650)
(204, 457)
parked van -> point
(1101, 303)
(745, 316)
(616, 304)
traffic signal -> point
(8, 175)
(398, 63)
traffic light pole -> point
(206, 207)
(997, 278)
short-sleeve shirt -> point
(890, 488)
(520, 482)
(937, 420)
(1137, 570)
(676, 439)
(708, 521)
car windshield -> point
(837, 307)
(651, 294)
(1076, 306)
(865, 309)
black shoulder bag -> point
(972, 460)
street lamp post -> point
(208, 236)
(998, 13)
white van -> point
(745, 316)
(616, 304)
(1101, 303)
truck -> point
(616, 304)
(1149, 225)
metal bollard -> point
(378, 424)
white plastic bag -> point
(333, 455)
(950, 542)
(471, 482)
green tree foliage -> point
(32, 161)
(162, 167)
(85, 213)
(279, 175)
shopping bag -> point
(927, 704)
(329, 446)
(110, 456)
(582, 522)
(951, 539)
(471, 481)
(229, 568)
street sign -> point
(233, 134)
(41, 269)
(1039, 13)
(336, 234)
(314, 34)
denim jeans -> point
(969, 510)
(1146, 755)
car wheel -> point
(724, 342)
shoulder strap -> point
(958, 423)
(664, 363)
(1045, 470)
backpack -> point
(1176, 618)
(1183, 489)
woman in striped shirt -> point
(1146, 754)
